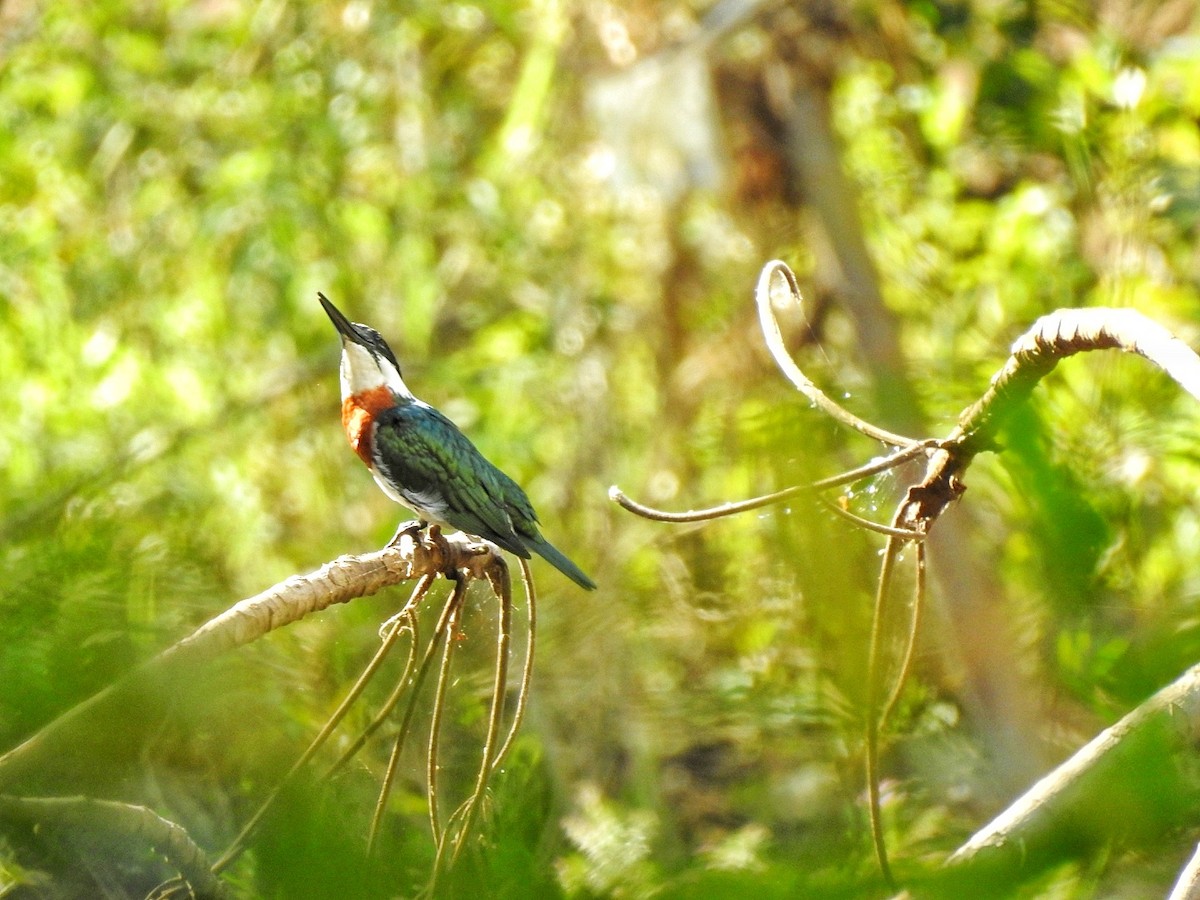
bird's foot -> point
(412, 529)
(447, 552)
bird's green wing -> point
(440, 473)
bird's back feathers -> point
(442, 476)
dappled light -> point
(894, 581)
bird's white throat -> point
(363, 371)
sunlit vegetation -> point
(556, 212)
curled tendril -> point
(770, 328)
(906, 448)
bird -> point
(423, 461)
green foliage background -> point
(569, 278)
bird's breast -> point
(358, 418)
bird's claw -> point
(411, 528)
(439, 540)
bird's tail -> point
(555, 557)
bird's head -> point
(368, 363)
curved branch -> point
(1061, 334)
(1033, 356)
(1116, 785)
(137, 823)
(1086, 798)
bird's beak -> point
(347, 329)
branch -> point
(1119, 785)
(137, 823)
(79, 740)
(1034, 355)
(1187, 887)
(1061, 334)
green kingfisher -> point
(421, 459)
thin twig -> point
(418, 679)
(495, 721)
(526, 668)
(458, 828)
(411, 625)
(890, 530)
(874, 674)
(702, 515)
(914, 627)
(875, 466)
(435, 724)
(398, 625)
(727, 509)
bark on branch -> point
(1061, 334)
(1034, 355)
